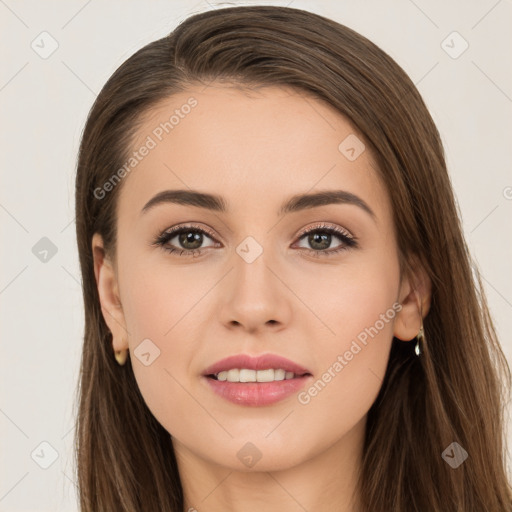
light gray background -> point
(44, 103)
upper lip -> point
(261, 362)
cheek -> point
(160, 296)
(357, 305)
(352, 297)
(158, 306)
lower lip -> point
(257, 394)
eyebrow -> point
(295, 203)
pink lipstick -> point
(256, 381)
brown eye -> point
(320, 238)
(187, 240)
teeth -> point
(269, 375)
(233, 375)
(245, 375)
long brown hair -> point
(451, 393)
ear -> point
(108, 290)
(415, 297)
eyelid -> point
(191, 226)
(325, 225)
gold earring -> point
(121, 356)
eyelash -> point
(349, 241)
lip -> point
(256, 394)
(262, 362)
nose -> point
(254, 296)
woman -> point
(280, 308)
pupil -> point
(314, 239)
(191, 237)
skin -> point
(257, 149)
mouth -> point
(251, 388)
(259, 380)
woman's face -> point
(254, 281)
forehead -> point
(247, 145)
